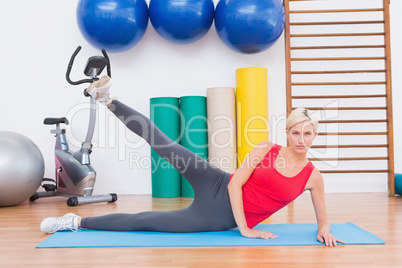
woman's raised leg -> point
(199, 172)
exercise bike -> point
(75, 177)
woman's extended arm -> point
(239, 178)
(317, 196)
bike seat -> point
(54, 121)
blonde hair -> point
(301, 115)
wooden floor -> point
(377, 213)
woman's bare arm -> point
(318, 197)
(239, 178)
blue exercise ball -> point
(21, 168)
(115, 25)
(181, 21)
(249, 26)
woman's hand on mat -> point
(328, 239)
(253, 233)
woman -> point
(270, 178)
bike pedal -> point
(49, 187)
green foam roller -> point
(166, 180)
(398, 183)
(194, 130)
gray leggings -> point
(210, 210)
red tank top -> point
(267, 190)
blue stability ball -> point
(115, 25)
(181, 21)
(249, 26)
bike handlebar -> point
(70, 66)
(109, 71)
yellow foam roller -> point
(252, 109)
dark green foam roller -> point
(166, 180)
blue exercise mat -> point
(288, 235)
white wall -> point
(38, 38)
(396, 53)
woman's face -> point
(301, 136)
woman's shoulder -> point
(315, 179)
(262, 148)
(265, 146)
(316, 175)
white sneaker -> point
(54, 224)
(99, 90)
